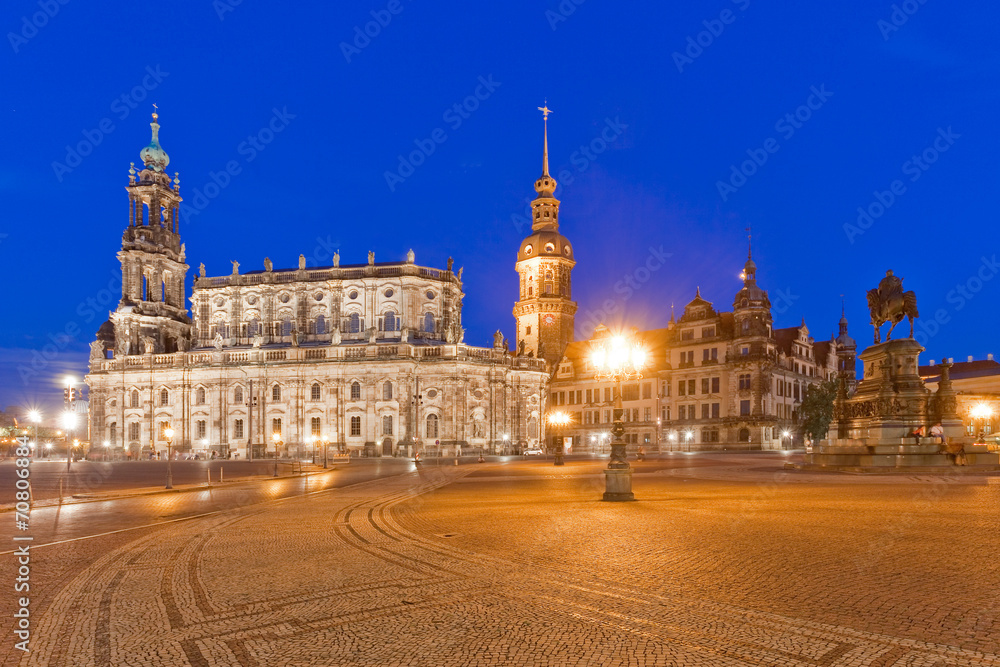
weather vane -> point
(545, 110)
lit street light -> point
(982, 412)
(617, 359)
(168, 433)
(558, 421)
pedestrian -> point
(937, 431)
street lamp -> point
(106, 446)
(558, 421)
(617, 359)
(276, 437)
(168, 433)
(69, 423)
(506, 439)
(982, 412)
(785, 435)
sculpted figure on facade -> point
(201, 269)
(96, 350)
(267, 264)
(336, 258)
(217, 342)
(410, 256)
(236, 267)
(149, 344)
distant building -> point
(714, 380)
(370, 357)
(977, 383)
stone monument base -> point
(618, 484)
(900, 454)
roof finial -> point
(155, 109)
(545, 154)
(843, 306)
(697, 292)
(749, 243)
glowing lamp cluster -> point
(617, 359)
(559, 419)
(981, 411)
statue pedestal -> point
(871, 429)
(618, 484)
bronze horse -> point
(892, 311)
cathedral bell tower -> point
(151, 316)
(545, 311)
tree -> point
(816, 410)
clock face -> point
(549, 319)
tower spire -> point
(545, 152)
(749, 243)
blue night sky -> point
(655, 105)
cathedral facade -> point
(366, 358)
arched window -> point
(429, 323)
(744, 435)
(199, 396)
(355, 391)
(387, 391)
(320, 325)
(164, 397)
(112, 432)
(315, 393)
(390, 321)
(532, 427)
(354, 325)
(238, 395)
(286, 327)
(432, 426)
(134, 402)
(276, 392)
(253, 328)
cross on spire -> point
(749, 242)
(545, 155)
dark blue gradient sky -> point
(665, 119)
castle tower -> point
(751, 353)
(152, 314)
(545, 310)
(847, 349)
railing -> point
(354, 272)
(326, 353)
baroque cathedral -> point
(360, 358)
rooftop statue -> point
(889, 303)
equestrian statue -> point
(889, 303)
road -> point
(724, 560)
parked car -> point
(533, 452)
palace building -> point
(713, 380)
(367, 358)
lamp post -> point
(276, 437)
(982, 412)
(106, 450)
(558, 421)
(617, 359)
(326, 446)
(69, 423)
(168, 433)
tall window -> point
(354, 323)
(744, 380)
(238, 429)
(355, 425)
(276, 426)
(386, 424)
(200, 429)
(355, 391)
(134, 431)
(238, 395)
(315, 426)
(428, 322)
(715, 385)
(432, 426)
(199, 396)
(134, 402)
(387, 391)
(253, 328)
(321, 325)
(744, 408)
(276, 392)
(286, 327)
(390, 321)
(112, 431)
(315, 392)
(164, 397)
